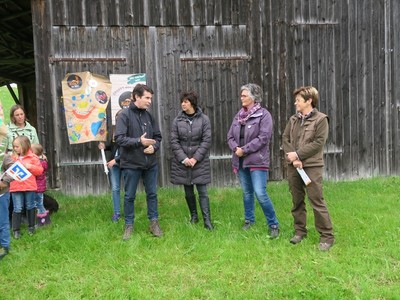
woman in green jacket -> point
(20, 126)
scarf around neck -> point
(245, 114)
(305, 117)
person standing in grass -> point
(5, 179)
(5, 235)
(115, 172)
(23, 192)
(249, 139)
(190, 144)
(19, 126)
(138, 137)
(43, 215)
(303, 144)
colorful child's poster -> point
(86, 97)
(121, 90)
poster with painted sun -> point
(86, 97)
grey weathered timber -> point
(349, 50)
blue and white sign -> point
(18, 171)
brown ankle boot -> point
(128, 232)
(155, 228)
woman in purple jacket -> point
(249, 139)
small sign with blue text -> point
(18, 171)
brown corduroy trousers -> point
(298, 190)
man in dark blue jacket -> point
(139, 138)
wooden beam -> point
(53, 60)
(17, 61)
(14, 16)
(215, 58)
(10, 89)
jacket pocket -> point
(309, 134)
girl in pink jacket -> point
(23, 192)
(42, 214)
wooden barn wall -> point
(340, 47)
(347, 49)
(176, 49)
(392, 96)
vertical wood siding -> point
(347, 49)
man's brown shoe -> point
(128, 232)
(297, 239)
(155, 228)
(324, 246)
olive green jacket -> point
(307, 139)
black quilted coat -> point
(191, 139)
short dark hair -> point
(139, 90)
(307, 92)
(191, 97)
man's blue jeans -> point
(255, 182)
(4, 220)
(115, 181)
(131, 181)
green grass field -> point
(81, 255)
(7, 101)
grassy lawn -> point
(7, 101)
(82, 256)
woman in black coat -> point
(190, 144)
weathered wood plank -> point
(347, 49)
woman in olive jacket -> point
(190, 144)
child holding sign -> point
(23, 190)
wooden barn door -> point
(217, 82)
(213, 61)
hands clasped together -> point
(294, 159)
(189, 162)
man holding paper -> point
(303, 143)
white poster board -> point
(121, 90)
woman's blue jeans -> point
(115, 181)
(5, 220)
(131, 181)
(255, 182)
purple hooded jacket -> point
(257, 138)
(41, 179)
